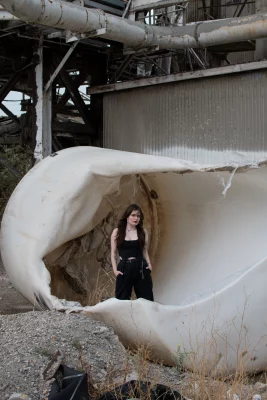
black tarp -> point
(72, 385)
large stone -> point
(19, 396)
(260, 387)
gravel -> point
(29, 340)
(11, 301)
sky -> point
(13, 99)
(12, 102)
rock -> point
(32, 356)
(260, 387)
(196, 387)
(231, 395)
(102, 329)
(256, 397)
(133, 376)
(19, 396)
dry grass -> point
(209, 377)
(102, 291)
(137, 367)
(198, 374)
(194, 385)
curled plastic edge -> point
(209, 268)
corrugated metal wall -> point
(211, 120)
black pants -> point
(135, 275)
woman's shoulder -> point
(114, 232)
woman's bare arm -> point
(145, 252)
(113, 250)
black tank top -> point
(130, 248)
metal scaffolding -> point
(49, 49)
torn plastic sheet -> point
(207, 244)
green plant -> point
(43, 352)
(76, 344)
(15, 161)
(179, 358)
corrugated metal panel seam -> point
(190, 119)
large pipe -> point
(62, 15)
(6, 16)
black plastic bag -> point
(141, 390)
(72, 385)
(69, 385)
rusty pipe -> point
(63, 15)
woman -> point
(134, 268)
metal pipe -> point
(7, 34)
(7, 16)
(62, 15)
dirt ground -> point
(11, 301)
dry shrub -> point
(102, 291)
(208, 380)
(137, 366)
(17, 160)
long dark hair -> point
(123, 223)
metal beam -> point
(71, 128)
(238, 11)
(125, 12)
(140, 6)
(43, 109)
(122, 68)
(77, 81)
(12, 81)
(68, 16)
(10, 114)
(230, 69)
(38, 100)
(76, 98)
(112, 10)
(60, 65)
(47, 122)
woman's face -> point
(134, 217)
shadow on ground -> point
(11, 301)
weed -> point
(76, 344)
(179, 358)
(18, 159)
(43, 352)
(101, 292)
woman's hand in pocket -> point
(117, 273)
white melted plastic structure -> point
(208, 244)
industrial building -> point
(185, 79)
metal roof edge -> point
(206, 73)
